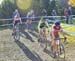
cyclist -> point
(55, 29)
(42, 27)
(16, 19)
(30, 17)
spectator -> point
(70, 14)
(44, 12)
(66, 15)
(54, 13)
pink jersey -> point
(55, 29)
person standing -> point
(54, 13)
(66, 15)
(70, 14)
(44, 12)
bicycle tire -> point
(54, 55)
(61, 51)
(17, 32)
(17, 36)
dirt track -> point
(27, 49)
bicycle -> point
(43, 38)
(59, 49)
(16, 32)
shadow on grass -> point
(49, 53)
(28, 53)
(28, 36)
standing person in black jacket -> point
(70, 14)
(66, 15)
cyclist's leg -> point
(28, 23)
(57, 44)
(53, 44)
(14, 28)
(53, 48)
(43, 32)
(41, 35)
(19, 25)
(16, 23)
(51, 38)
(70, 17)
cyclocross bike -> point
(43, 38)
(16, 32)
(60, 50)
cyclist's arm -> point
(61, 30)
(52, 32)
(20, 20)
(48, 26)
(39, 25)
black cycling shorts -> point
(16, 22)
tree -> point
(71, 2)
(51, 6)
(7, 9)
(38, 5)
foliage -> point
(7, 9)
(8, 6)
(71, 2)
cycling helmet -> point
(57, 23)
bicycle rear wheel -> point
(17, 32)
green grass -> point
(5, 27)
(63, 21)
(74, 21)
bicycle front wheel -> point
(61, 52)
(17, 32)
(17, 36)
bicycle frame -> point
(59, 49)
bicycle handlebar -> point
(65, 38)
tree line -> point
(8, 6)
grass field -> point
(27, 50)
(63, 21)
